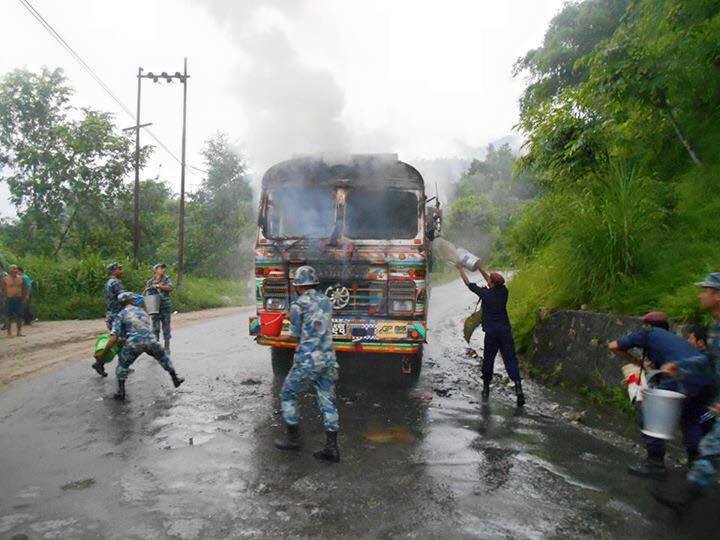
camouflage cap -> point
(126, 296)
(159, 265)
(113, 266)
(305, 275)
(711, 281)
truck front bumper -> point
(358, 335)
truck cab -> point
(360, 222)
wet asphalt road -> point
(428, 461)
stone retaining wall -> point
(571, 347)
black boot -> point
(120, 394)
(292, 440)
(331, 452)
(652, 467)
(177, 381)
(692, 454)
(100, 368)
(486, 391)
(519, 393)
(680, 499)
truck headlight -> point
(276, 304)
(402, 306)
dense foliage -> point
(622, 118)
(68, 171)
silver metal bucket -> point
(661, 412)
(152, 303)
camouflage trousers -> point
(132, 349)
(162, 318)
(109, 319)
(298, 380)
(707, 465)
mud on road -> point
(48, 345)
(427, 461)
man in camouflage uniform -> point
(702, 474)
(314, 364)
(113, 288)
(161, 284)
(133, 326)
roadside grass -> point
(609, 254)
(73, 288)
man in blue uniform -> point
(498, 332)
(691, 375)
(702, 475)
(161, 284)
(133, 326)
(314, 364)
(113, 288)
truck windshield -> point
(294, 212)
(381, 215)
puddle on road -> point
(391, 435)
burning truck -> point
(361, 222)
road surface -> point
(198, 462)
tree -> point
(64, 166)
(558, 64)
(221, 214)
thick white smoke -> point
(290, 107)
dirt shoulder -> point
(48, 345)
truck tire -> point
(282, 360)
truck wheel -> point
(282, 360)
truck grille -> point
(355, 297)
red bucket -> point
(271, 323)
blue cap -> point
(711, 281)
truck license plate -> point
(339, 329)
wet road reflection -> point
(427, 461)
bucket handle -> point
(273, 321)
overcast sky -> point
(421, 78)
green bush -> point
(73, 288)
(617, 250)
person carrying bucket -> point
(133, 326)
(703, 473)
(113, 288)
(314, 364)
(161, 285)
(686, 370)
(498, 332)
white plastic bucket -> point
(661, 412)
(152, 303)
(467, 259)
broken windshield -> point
(294, 212)
(381, 215)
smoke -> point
(290, 107)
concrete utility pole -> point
(181, 224)
(136, 191)
(182, 77)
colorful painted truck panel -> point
(361, 223)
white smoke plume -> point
(290, 107)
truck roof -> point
(380, 171)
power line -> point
(45, 24)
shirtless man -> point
(16, 294)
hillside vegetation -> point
(622, 118)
